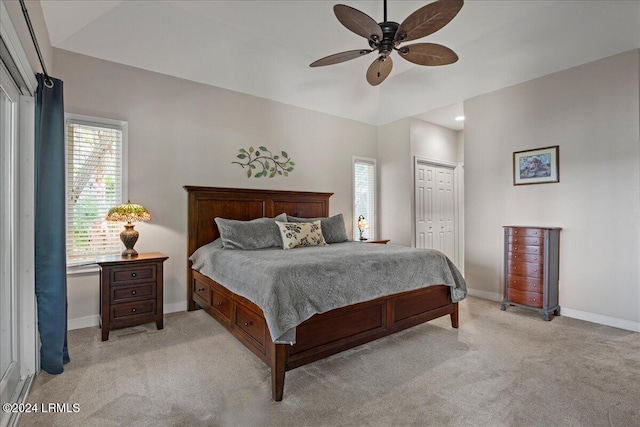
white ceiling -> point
(263, 48)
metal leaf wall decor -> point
(261, 162)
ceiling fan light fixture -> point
(386, 36)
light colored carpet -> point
(499, 369)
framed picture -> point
(539, 166)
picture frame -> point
(537, 166)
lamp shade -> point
(128, 212)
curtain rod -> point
(48, 82)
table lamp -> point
(129, 213)
(362, 225)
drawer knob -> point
(247, 323)
(535, 284)
(133, 274)
(133, 292)
(219, 303)
(535, 271)
(133, 310)
(200, 289)
(534, 300)
(515, 240)
(515, 232)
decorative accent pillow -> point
(296, 234)
(333, 228)
(258, 233)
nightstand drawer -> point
(250, 323)
(138, 273)
(531, 299)
(132, 309)
(143, 291)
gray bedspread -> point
(291, 286)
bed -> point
(320, 335)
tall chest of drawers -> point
(131, 291)
(531, 268)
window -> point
(96, 152)
(364, 195)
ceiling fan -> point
(385, 37)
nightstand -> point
(130, 291)
(382, 242)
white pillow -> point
(296, 234)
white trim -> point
(30, 359)
(11, 39)
(491, 296)
(374, 162)
(93, 321)
(629, 325)
(83, 322)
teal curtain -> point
(50, 248)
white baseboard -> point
(629, 325)
(174, 307)
(83, 322)
(491, 296)
(92, 321)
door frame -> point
(458, 205)
(24, 186)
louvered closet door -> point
(435, 208)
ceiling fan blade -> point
(358, 22)
(428, 54)
(428, 19)
(379, 70)
(336, 58)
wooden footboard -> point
(323, 334)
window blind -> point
(364, 184)
(94, 185)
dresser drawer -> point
(525, 249)
(530, 258)
(251, 323)
(521, 283)
(526, 232)
(522, 240)
(142, 291)
(131, 310)
(137, 273)
(531, 299)
(202, 290)
(524, 269)
(221, 303)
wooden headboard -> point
(206, 203)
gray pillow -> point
(258, 233)
(333, 228)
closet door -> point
(435, 208)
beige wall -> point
(37, 21)
(591, 112)
(399, 143)
(186, 133)
(395, 178)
